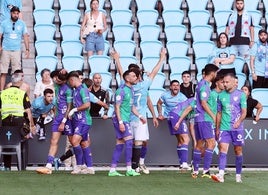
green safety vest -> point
(12, 102)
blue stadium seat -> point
(42, 62)
(177, 48)
(171, 4)
(149, 32)
(70, 32)
(173, 17)
(256, 17)
(159, 81)
(149, 63)
(256, 32)
(251, 4)
(222, 5)
(69, 4)
(199, 77)
(197, 4)
(203, 48)
(44, 31)
(179, 64)
(176, 76)
(147, 17)
(71, 48)
(120, 46)
(175, 32)
(201, 32)
(71, 63)
(220, 29)
(44, 16)
(150, 48)
(120, 5)
(65, 16)
(87, 4)
(221, 17)
(106, 48)
(41, 4)
(264, 112)
(265, 5)
(99, 64)
(200, 63)
(123, 32)
(241, 79)
(46, 48)
(261, 95)
(198, 17)
(121, 17)
(155, 94)
(106, 78)
(126, 60)
(239, 64)
(149, 5)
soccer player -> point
(81, 123)
(141, 101)
(232, 110)
(171, 99)
(204, 121)
(121, 118)
(61, 124)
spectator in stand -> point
(46, 82)
(6, 6)
(12, 30)
(259, 61)
(93, 25)
(252, 104)
(223, 55)
(240, 30)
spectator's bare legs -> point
(3, 81)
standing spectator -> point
(232, 110)
(12, 30)
(92, 28)
(46, 82)
(13, 103)
(223, 55)
(101, 94)
(259, 61)
(121, 119)
(6, 6)
(240, 30)
(41, 108)
(173, 102)
(24, 86)
(252, 104)
(205, 120)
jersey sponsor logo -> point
(118, 98)
(235, 98)
(204, 94)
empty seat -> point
(69, 16)
(251, 4)
(155, 94)
(87, 4)
(71, 48)
(106, 48)
(171, 4)
(41, 4)
(201, 32)
(222, 5)
(123, 32)
(149, 63)
(44, 31)
(177, 48)
(69, 4)
(179, 64)
(46, 48)
(221, 17)
(99, 64)
(44, 16)
(220, 29)
(203, 48)
(126, 60)
(175, 32)
(159, 81)
(150, 48)
(200, 63)
(256, 32)
(241, 79)
(150, 4)
(106, 79)
(70, 32)
(42, 62)
(264, 112)
(120, 46)
(149, 32)
(72, 63)
(198, 17)
(120, 5)
(146, 17)
(176, 76)
(256, 17)
(197, 4)
(239, 64)
(173, 17)
(261, 95)
(121, 17)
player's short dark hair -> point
(62, 76)
(174, 81)
(211, 68)
(73, 74)
(231, 75)
(18, 71)
(48, 91)
(80, 73)
(88, 82)
(133, 66)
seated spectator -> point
(46, 82)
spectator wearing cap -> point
(6, 6)
(259, 61)
(12, 30)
